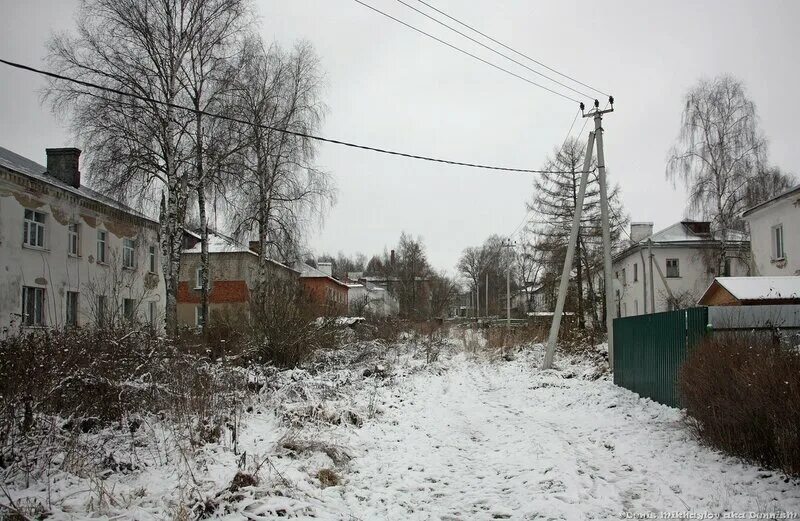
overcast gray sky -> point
(388, 86)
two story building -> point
(70, 256)
(232, 277)
(775, 234)
(685, 259)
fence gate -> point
(649, 350)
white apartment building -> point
(70, 256)
(685, 260)
(775, 234)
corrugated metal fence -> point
(649, 350)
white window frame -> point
(778, 242)
(38, 306)
(152, 259)
(73, 240)
(71, 306)
(102, 246)
(129, 253)
(198, 282)
(198, 316)
(677, 273)
(33, 229)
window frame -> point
(71, 307)
(152, 259)
(198, 282)
(677, 273)
(198, 316)
(129, 315)
(73, 240)
(636, 272)
(38, 306)
(102, 311)
(31, 223)
(102, 254)
(778, 243)
(128, 253)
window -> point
(102, 305)
(636, 272)
(102, 246)
(198, 277)
(673, 270)
(32, 306)
(33, 230)
(624, 278)
(152, 259)
(616, 275)
(635, 307)
(129, 309)
(726, 268)
(151, 313)
(72, 309)
(624, 309)
(73, 240)
(198, 316)
(128, 253)
(778, 252)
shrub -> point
(742, 393)
(284, 327)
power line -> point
(511, 48)
(507, 57)
(269, 127)
(429, 35)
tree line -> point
(207, 55)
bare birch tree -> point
(279, 189)
(135, 146)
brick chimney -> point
(641, 231)
(62, 163)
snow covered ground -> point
(454, 436)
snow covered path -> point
(503, 441)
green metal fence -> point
(649, 350)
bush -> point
(742, 393)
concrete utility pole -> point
(652, 287)
(596, 135)
(601, 168)
(573, 238)
(508, 288)
(486, 297)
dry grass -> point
(328, 478)
(742, 393)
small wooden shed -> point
(752, 291)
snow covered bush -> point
(742, 393)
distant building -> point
(775, 234)
(328, 295)
(685, 262)
(233, 274)
(70, 256)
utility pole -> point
(601, 168)
(596, 135)
(652, 288)
(509, 244)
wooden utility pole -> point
(594, 136)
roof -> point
(34, 170)
(756, 289)
(219, 243)
(769, 202)
(680, 234)
(310, 272)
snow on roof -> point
(769, 202)
(760, 288)
(26, 167)
(219, 243)
(307, 272)
(680, 232)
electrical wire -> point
(443, 42)
(507, 57)
(269, 127)
(511, 48)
